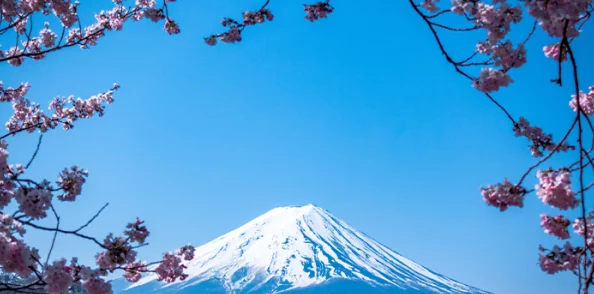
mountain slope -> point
(301, 250)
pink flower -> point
(133, 271)
(552, 15)
(16, 257)
(504, 195)
(555, 225)
(540, 141)
(252, 18)
(71, 182)
(430, 5)
(212, 40)
(171, 27)
(136, 232)
(580, 229)
(554, 189)
(554, 52)
(57, 278)
(505, 56)
(491, 80)
(170, 268)
(187, 252)
(566, 259)
(118, 252)
(318, 10)
(47, 37)
(96, 285)
(586, 102)
(33, 202)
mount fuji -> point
(299, 250)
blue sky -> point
(359, 114)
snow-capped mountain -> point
(301, 249)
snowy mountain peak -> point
(297, 247)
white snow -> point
(277, 244)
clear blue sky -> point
(359, 114)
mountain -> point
(300, 250)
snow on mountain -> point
(291, 248)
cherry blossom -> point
(555, 225)
(136, 231)
(57, 278)
(187, 252)
(318, 10)
(171, 268)
(430, 5)
(559, 259)
(554, 189)
(586, 101)
(504, 195)
(554, 52)
(71, 182)
(134, 271)
(491, 80)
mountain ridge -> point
(297, 249)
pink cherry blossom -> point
(171, 268)
(16, 257)
(554, 52)
(555, 225)
(97, 285)
(133, 271)
(491, 80)
(171, 27)
(71, 182)
(430, 5)
(540, 141)
(559, 259)
(554, 189)
(252, 18)
(136, 232)
(57, 278)
(187, 252)
(33, 202)
(552, 15)
(507, 57)
(504, 195)
(118, 252)
(586, 102)
(318, 10)
(47, 37)
(580, 229)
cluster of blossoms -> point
(491, 80)
(29, 117)
(233, 34)
(555, 225)
(17, 15)
(559, 259)
(540, 141)
(558, 17)
(561, 19)
(555, 52)
(504, 195)
(586, 101)
(71, 182)
(318, 10)
(136, 231)
(554, 189)
(34, 199)
(15, 256)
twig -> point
(35, 153)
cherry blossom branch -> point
(34, 153)
(92, 219)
